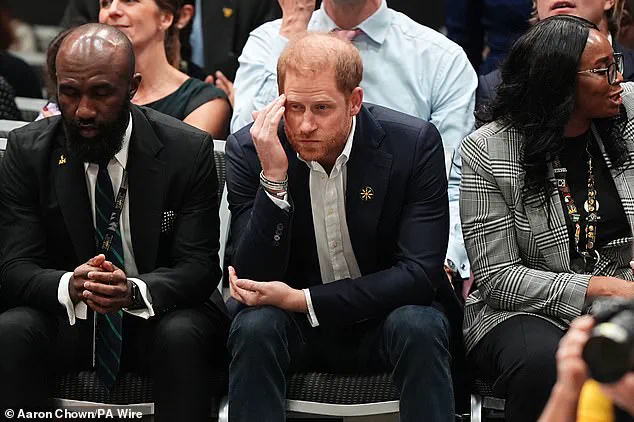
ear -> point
(609, 4)
(134, 84)
(186, 15)
(356, 100)
(166, 20)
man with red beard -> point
(109, 240)
(340, 219)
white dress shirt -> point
(328, 203)
(115, 169)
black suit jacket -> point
(226, 27)
(399, 237)
(46, 224)
(488, 84)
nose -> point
(308, 123)
(113, 9)
(619, 78)
(85, 110)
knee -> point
(181, 330)
(415, 326)
(26, 330)
(22, 324)
(258, 326)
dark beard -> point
(103, 146)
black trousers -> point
(179, 349)
(519, 355)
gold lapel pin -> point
(367, 193)
(227, 11)
(62, 160)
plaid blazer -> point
(520, 260)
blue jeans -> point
(412, 342)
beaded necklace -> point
(591, 206)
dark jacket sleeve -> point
(24, 277)
(195, 267)
(258, 226)
(419, 255)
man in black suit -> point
(223, 29)
(145, 262)
(592, 10)
(340, 212)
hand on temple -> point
(267, 144)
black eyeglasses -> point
(612, 69)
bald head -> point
(99, 43)
(316, 52)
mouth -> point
(562, 5)
(87, 131)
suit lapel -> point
(552, 239)
(368, 173)
(146, 184)
(72, 194)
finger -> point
(108, 290)
(248, 297)
(250, 285)
(115, 277)
(261, 118)
(97, 260)
(271, 120)
(265, 114)
(83, 270)
(585, 322)
(209, 79)
(101, 300)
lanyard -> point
(115, 215)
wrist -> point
(275, 176)
(293, 26)
(297, 301)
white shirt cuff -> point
(148, 311)
(79, 311)
(281, 203)
(312, 317)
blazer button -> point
(280, 226)
(276, 237)
(276, 243)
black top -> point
(188, 97)
(20, 76)
(612, 222)
(8, 109)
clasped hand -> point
(101, 285)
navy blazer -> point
(488, 84)
(399, 237)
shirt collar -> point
(375, 27)
(345, 154)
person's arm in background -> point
(256, 79)
(452, 113)
(79, 12)
(463, 19)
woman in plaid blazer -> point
(561, 93)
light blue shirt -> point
(406, 66)
(196, 37)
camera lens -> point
(609, 352)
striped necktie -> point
(108, 336)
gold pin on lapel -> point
(227, 11)
(62, 160)
(367, 193)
